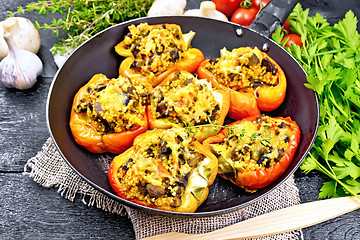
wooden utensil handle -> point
(280, 221)
(288, 219)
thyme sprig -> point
(81, 19)
(194, 129)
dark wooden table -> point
(29, 211)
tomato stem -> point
(246, 4)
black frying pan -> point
(98, 56)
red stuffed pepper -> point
(182, 100)
(255, 81)
(164, 169)
(107, 114)
(152, 52)
(255, 151)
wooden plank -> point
(23, 124)
(23, 113)
(345, 227)
(28, 211)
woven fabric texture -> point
(49, 169)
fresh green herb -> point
(331, 58)
(195, 129)
(263, 140)
(215, 126)
(242, 133)
(190, 127)
(81, 19)
(253, 136)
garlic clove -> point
(24, 33)
(167, 8)
(20, 68)
(207, 9)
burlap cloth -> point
(49, 169)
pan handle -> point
(272, 16)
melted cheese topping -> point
(251, 146)
(186, 101)
(155, 48)
(113, 105)
(159, 171)
(243, 68)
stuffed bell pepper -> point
(255, 151)
(182, 100)
(164, 169)
(255, 81)
(154, 51)
(107, 114)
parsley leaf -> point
(328, 189)
(310, 164)
(347, 28)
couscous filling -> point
(160, 168)
(112, 105)
(155, 48)
(185, 101)
(250, 146)
(243, 68)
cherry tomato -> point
(293, 38)
(256, 3)
(286, 26)
(227, 7)
(244, 16)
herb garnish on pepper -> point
(182, 100)
(255, 151)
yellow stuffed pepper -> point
(182, 100)
(152, 52)
(164, 169)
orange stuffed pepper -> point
(255, 82)
(152, 52)
(182, 100)
(107, 114)
(164, 169)
(255, 151)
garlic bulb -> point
(207, 9)
(24, 33)
(3, 45)
(20, 68)
(167, 7)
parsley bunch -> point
(81, 19)
(331, 58)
